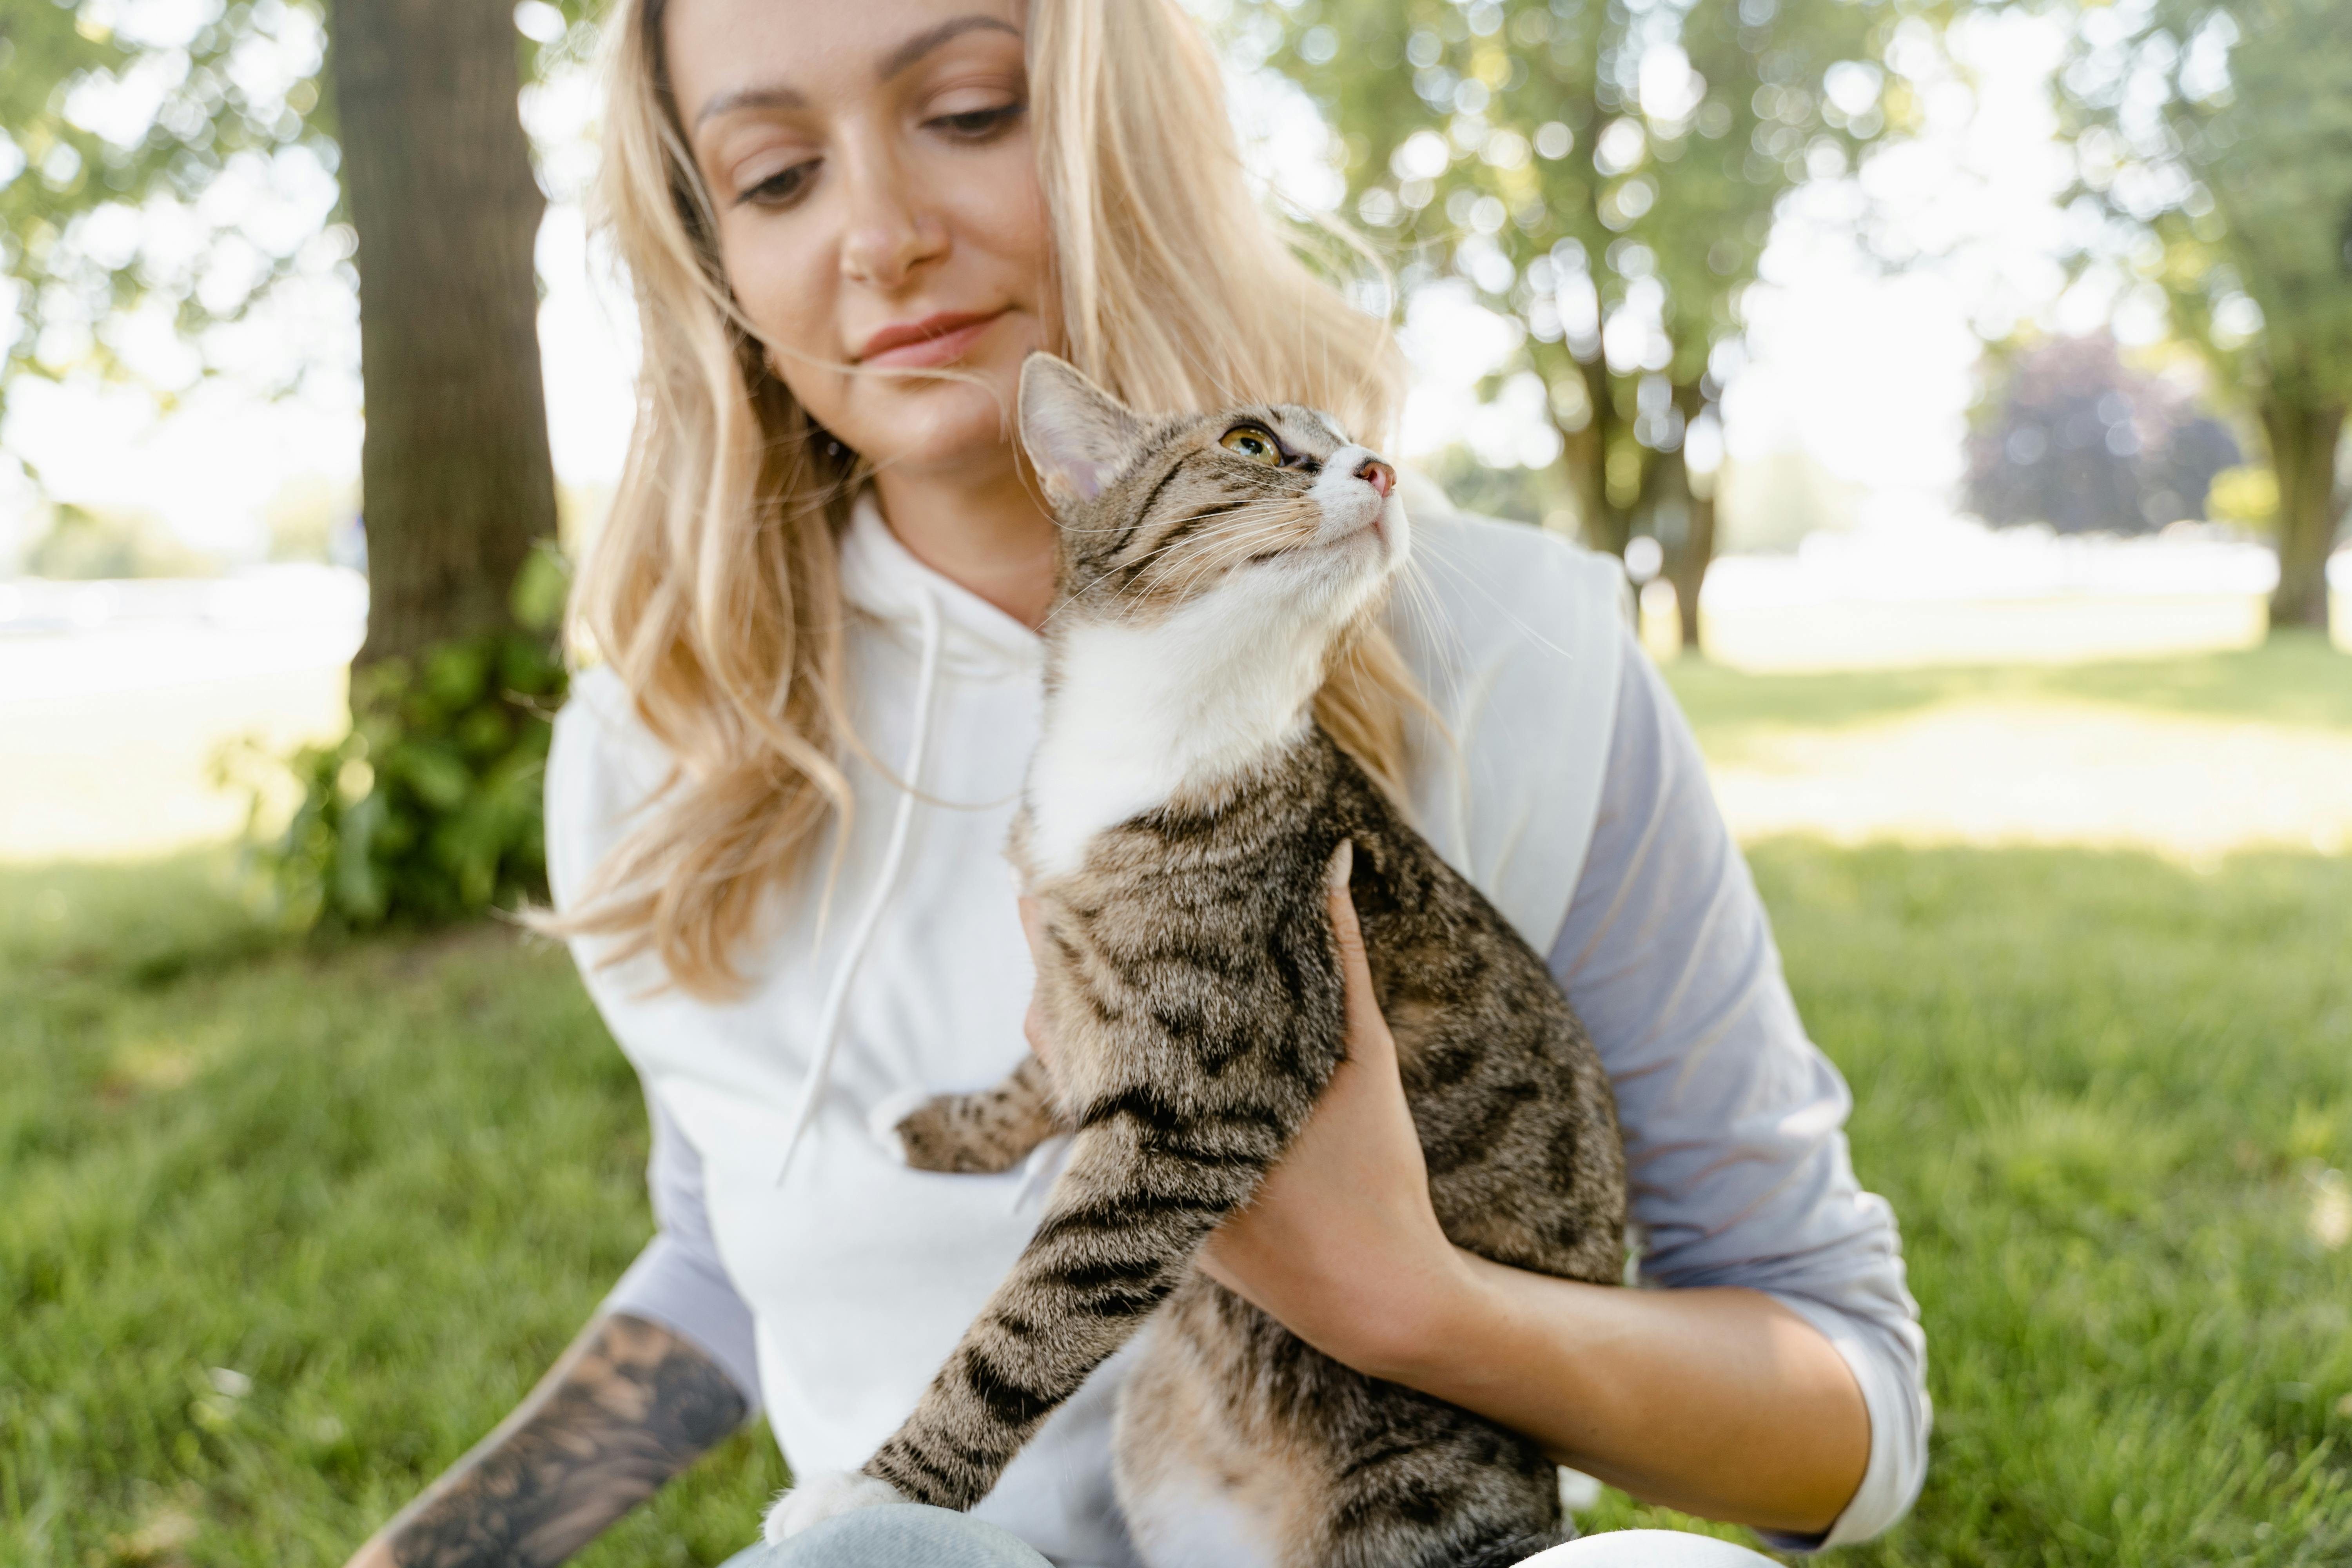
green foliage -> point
(429, 809)
(1517, 495)
(2215, 138)
(116, 120)
(2245, 494)
(1597, 172)
(112, 139)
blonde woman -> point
(775, 808)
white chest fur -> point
(1139, 712)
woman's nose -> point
(891, 231)
(1378, 475)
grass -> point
(2104, 1094)
(2294, 679)
(386, 1181)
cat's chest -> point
(1089, 783)
(1138, 716)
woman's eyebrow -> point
(750, 98)
(930, 38)
(896, 60)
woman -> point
(774, 815)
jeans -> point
(917, 1537)
(914, 1536)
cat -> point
(1182, 813)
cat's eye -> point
(1254, 443)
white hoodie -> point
(860, 1275)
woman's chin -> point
(935, 427)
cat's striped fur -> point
(1191, 979)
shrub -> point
(428, 809)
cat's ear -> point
(1079, 437)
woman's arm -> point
(1721, 1403)
(628, 1405)
(1735, 1394)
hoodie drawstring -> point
(836, 998)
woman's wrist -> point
(1434, 1326)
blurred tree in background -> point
(455, 472)
(2213, 144)
(120, 130)
(137, 137)
(134, 150)
(2079, 440)
(1606, 173)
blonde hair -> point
(713, 589)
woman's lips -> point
(935, 340)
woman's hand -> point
(1340, 1244)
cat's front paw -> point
(820, 1498)
(937, 1133)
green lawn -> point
(385, 1180)
(2291, 679)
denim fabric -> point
(1647, 1548)
(910, 1537)
(917, 1537)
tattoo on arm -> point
(630, 1406)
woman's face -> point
(878, 207)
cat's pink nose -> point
(1378, 475)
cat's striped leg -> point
(1143, 1190)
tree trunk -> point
(1690, 566)
(1584, 455)
(1697, 551)
(2303, 456)
(454, 469)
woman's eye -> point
(779, 189)
(979, 124)
(1249, 441)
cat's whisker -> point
(1506, 612)
(1219, 548)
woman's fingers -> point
(1033, 1022)
(1368, 1033)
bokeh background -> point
(1962, 384)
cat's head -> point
(1266, 516)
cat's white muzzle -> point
(1352, 506)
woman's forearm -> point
(628, 1405)
(1721, 1402)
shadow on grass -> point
(143, 924)
(2294, 678)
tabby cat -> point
(1181, 812)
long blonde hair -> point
(713, 589)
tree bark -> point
(454, 470)
(1697, 551)
(2303, 456)
(1584, 455)
(1690, 566)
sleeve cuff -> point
(1899, 1417)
